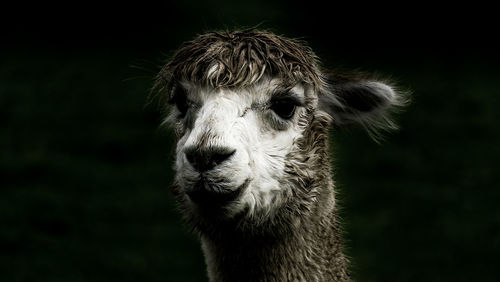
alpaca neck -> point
(312, 251)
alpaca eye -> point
(182, 104)
(285, 108)
(179, 98)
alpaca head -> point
(251, 112)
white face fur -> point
(246, 121)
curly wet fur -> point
(240, 58)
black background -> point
(84, 169)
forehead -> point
(265, 89)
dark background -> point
(85, 171)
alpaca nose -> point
(207, 159)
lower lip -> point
(202, 196)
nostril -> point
(207, 159)
(220, 156)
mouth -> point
(207, 194)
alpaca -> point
(251, 112)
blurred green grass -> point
(85, 173)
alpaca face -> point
(251, 111)
(234, 144)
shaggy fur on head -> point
(241, 58)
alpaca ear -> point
(359, 100)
